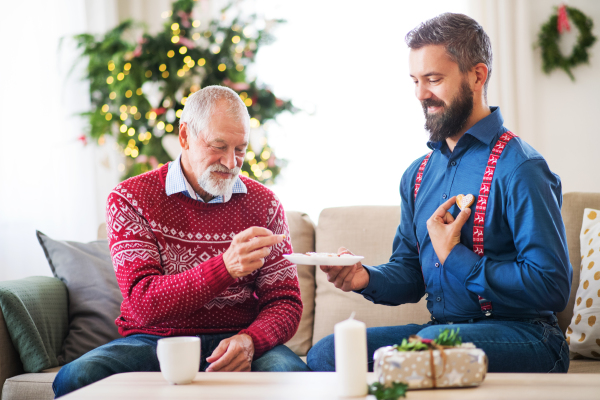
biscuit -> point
(464, 201)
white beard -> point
(215, 186)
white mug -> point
(179, 358)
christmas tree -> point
(138, 89)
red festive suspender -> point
(480, 208)
(420, 173)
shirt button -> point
(437, 265)
(438, 298)
(444, 195)
(453, 163)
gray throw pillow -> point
(94, 296)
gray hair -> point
(200, 106)
(465, 41)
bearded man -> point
(499, 273)
(198, 250)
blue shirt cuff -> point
(460, 262)
(376, 283)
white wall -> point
(47, 176)
(346, 64)
(566, 113)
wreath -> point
(549, 35)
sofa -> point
(366, 230)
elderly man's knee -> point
(432, 331)
(79, 373)
(321, 356)
(279, 359)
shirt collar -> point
(176, 183)
(484, 130)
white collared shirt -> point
(176, 183)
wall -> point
(565, 112)
(550, 112)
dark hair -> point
(465, 41)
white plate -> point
(304, 259)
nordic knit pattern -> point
(167, 252)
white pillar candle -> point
(351, 357)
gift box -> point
(434, 367)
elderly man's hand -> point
(347, 278)
(232, 354)
(444, 230)
(248, 251)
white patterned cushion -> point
(583, 334)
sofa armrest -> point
(35, 314)
(10, 363)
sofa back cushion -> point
(302, 233)
(367, 231)
(94, 296)
(572, 212)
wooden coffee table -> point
(322, 385)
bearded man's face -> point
(443, 90)
(451, 118)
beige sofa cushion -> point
(584, 366)
(36, 386)
(367, 231)
(572, 212)
(10, 363)
(302, 233)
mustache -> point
(222, 168)
(432, 103)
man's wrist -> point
(367, 275)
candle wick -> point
(352, 315)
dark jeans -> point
(137, 353)
(512, 345)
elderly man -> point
(499, 272)
(198, 250)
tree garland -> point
(548, 38)
(138, 89)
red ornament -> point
(160, 110)
(186, 42)
(237, 86)
(185, 18)
(563, 19)
(83, 139)
(138, 50)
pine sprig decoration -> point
(393, 392)
(410, 346)
(548, 39)
(138, 89)
(448, 338)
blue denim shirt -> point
(525, 271)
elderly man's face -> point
(444, 92)
(217, 154)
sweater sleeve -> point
(278, 292)
(149, 296)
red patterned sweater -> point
(167, 252)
